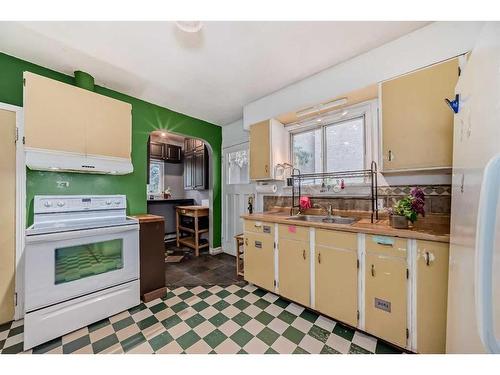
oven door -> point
(61, 266)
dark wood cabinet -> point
(152, 256)
(172, 153)
(156, 150)
(195, 165)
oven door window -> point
(77, 262)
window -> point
(156, 177)
(344, 143)
(237, 167)
(332, 147)
(307, 154)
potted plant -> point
(167, 194)
(407, 209)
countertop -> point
(438, 233)
(148, 218)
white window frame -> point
(368, 110)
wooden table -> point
(192, 241)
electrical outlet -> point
(62, 184)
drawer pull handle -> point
(384, 244)
(373, 270)
(427, 258)
(319, 258)
(304, 254)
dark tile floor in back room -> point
(206, 269)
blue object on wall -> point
(454, 104)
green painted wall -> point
(146, 117)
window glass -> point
(237, 167)
(306, 151)
(345, 149)
(80, 261)
(156, 176)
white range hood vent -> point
(50, 160)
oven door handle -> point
(80, 233)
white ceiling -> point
(210, 75)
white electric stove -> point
(81, 264)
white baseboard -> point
(215, 250)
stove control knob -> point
(47, 204)
(117, 202)
(60, 204)
(108, 202)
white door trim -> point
(20, 208)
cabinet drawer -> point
(259, 227)
(293, 232)
(386, 245)
(341, 240)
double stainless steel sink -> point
(324, 219)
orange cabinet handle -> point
(427, 258)
(304, 254)
(319, 258)
(373, 270)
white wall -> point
(234, 134)
(433, 43)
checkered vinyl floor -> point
(205, 320)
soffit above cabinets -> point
(71, 129)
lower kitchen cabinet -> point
(294, 270)
(336, 275)
(386, 289)
(259, 259)
(432, 292)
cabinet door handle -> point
(304, 254)
(266, 168)
(246, 241)
(319, 258)
(373, 270)
(390, 155)
(427, 258)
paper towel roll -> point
(268, 188)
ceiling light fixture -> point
(321, 107)
(189, 26)
(334, 103)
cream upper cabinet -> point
(55, 115)
(432, 292)
(109, 129)
(62, 117)
(336, 275)
(416, 123)
(268, 147)
(386, 289)
(294, 263)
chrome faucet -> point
(328, 209)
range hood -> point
(52, 161)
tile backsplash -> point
(437, 199)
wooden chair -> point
(239, 255)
